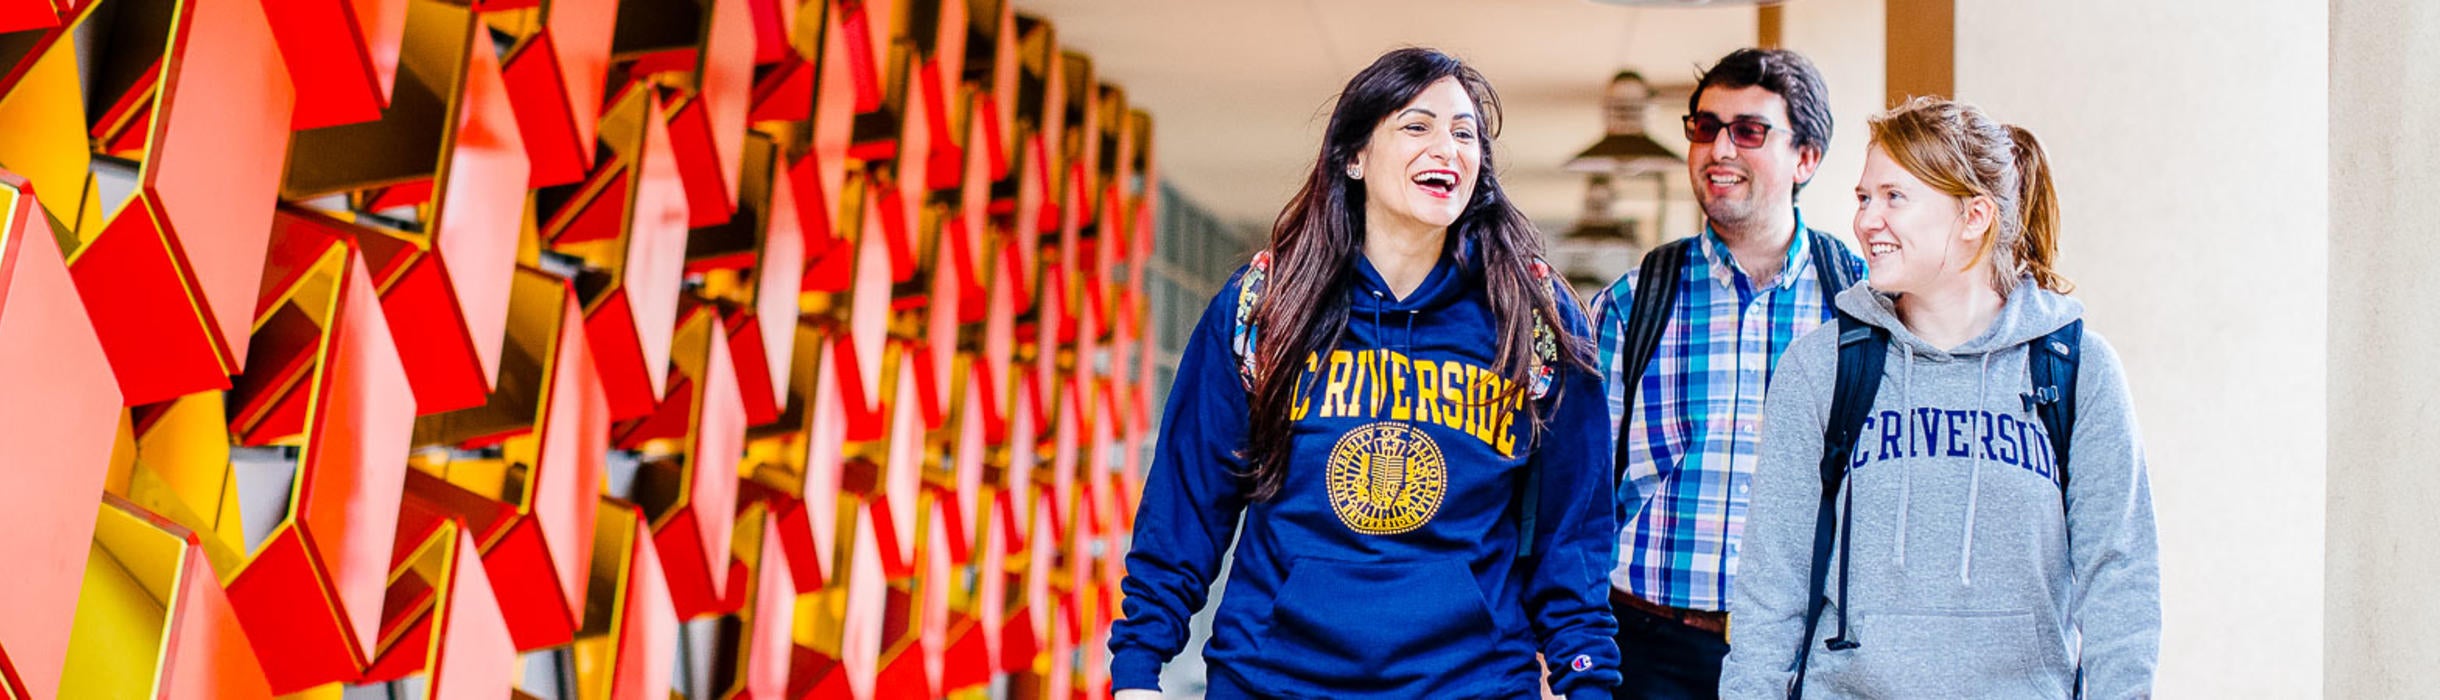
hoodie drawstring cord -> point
(1965, 545)
(1906, 427)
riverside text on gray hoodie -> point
(1971, 577)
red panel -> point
(560, 86)
(21, 15)
(150, 319)
(646, 629)
(354, 463)
(901, 480)
(343, 55)
(778, 278)
(351, 474)
(770, 646)
(860, 637)
(773, 22)
(479, 217)
(696, 534)
(748, 354)
(473, 657)
(785, 92)
(208, 656)
(710, 128)
(630, 327)
(834, 111)
(214, 165)
(295, 625)
(56, 433)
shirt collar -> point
(1724, 269)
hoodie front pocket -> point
(1399, 622)
(1945, 655)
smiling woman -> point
(1397, 401)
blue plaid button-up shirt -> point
(1690, 452)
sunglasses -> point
(1745, 133)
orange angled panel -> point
(844, 622)
(692, 492)
(57, 428)
(151, 588)
(708, 128)
(916, 620)
(449, 137)
(767, 243)
(555, 80)
(312, 598)
(889, 471)
(823, 167)
(767, 619)
(808, 468)
(455, 638)
(628, 224)
(630, 642)
(550, 416)
(343, 55)
(172, 279)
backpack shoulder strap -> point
(1830, 264)
(1242, 335)
(1863, 352)
(1545, 340)
(1656, 290)
(2053, 364)
(1545, 357)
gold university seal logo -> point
(1386, 478)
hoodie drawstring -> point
(1906, 426)
(1965, 545)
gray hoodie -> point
(1970, 578)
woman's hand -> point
(1138, 694)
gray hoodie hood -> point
(1966, 579)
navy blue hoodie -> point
(1387, 564)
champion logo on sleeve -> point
(1581, 663)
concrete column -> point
(2193, 163)
(2384, 558)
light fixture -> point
(1624, 149)
(1687, 3)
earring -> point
(1355, 172)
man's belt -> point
(1713, 621)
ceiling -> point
(1239, 91)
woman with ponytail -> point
(1393, 412)
(1985, 488)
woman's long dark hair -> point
(1315, 242)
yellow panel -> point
(116, 646)
(44, 117)
(122, 457)
(187, 448)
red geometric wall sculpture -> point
(400, 341)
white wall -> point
(2384, 619)
(2191, 147)
(1844, 39)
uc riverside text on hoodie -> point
(1387, 564)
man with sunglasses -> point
(1686, 367)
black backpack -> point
(1862, 350)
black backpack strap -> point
(1656, 290)
(1863, 351)
(1830, 265)
(2053, 363)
